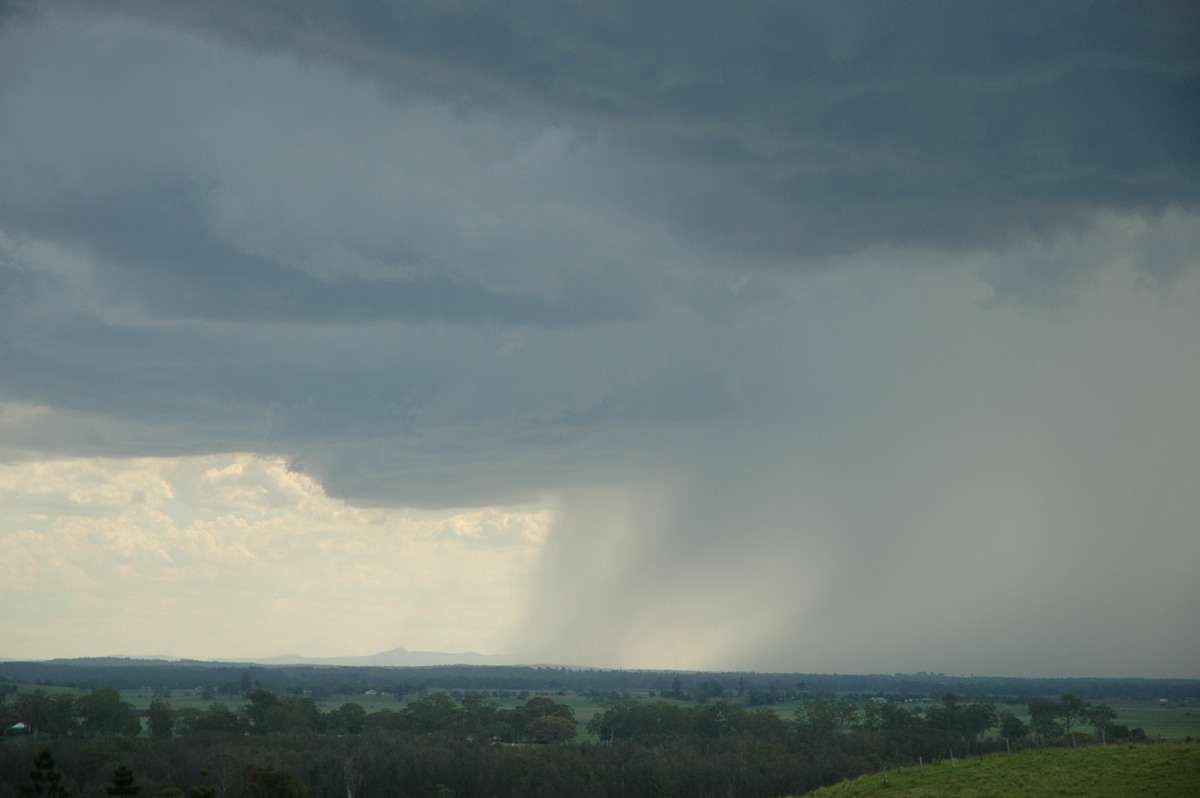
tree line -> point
(236, 678)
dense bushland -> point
(439, 746)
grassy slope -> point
(1103, 772)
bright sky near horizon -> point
(827, 336)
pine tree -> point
(123, 782)
(44, 778)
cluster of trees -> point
(715, 690)
(773, 694)
(883, 730)
(540, 720)
(1051, 720)
(99, 712)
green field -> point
(1173, 724)
(1164, 771)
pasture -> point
(1108, 772)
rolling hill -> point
(1163, 770)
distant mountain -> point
(396, 657)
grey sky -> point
(836, 336)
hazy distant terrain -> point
(396, 657)
(457, 671)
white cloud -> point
(237, 555)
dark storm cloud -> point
(793, 130)
(160, 251)
(597, 199)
